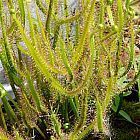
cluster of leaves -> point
(58, 65)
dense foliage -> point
(65, 65)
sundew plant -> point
(62, 61)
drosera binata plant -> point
(57, 66)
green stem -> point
(99, 115)
(2, 119)
(41, 7)
(48, 21)
(83, 115)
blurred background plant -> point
(65, 65)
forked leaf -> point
(65, 59)
(40, 62)
(79, 50)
